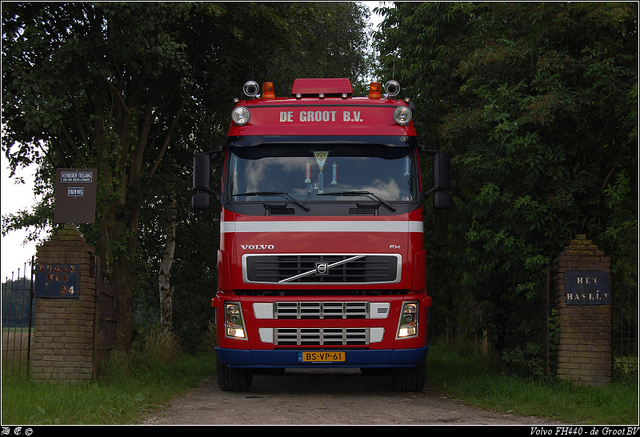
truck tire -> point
(411, 379)
(231, 379)
(373, 371)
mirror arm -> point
(433, 190)
(422, 148)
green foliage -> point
(131, 387)
(456, 370)
(530, 358)
(136, 90)
(537, 104)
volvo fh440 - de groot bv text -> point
(322, 261)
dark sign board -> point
(587, 288)
(57, 280)
(75, 195)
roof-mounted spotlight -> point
(241, 115)
(402, 115)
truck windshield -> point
(321, 174)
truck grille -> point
(321, 336)
(321, 310)
(322, 269)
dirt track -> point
(325, 397)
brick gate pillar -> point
(583, 300)
(65, 311)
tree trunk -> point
(123, 269)
(117, 265)
(164, 276)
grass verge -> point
(130, 388)
(465, 375)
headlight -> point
(408, 324)
(241, 115)
(233, 322)
(402, 115)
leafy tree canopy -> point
(127, 87)
(537, 103)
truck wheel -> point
(410, 378)
(231, 379)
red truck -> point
(322, 260)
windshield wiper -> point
(360, 193)
(274, 193)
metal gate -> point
(17, 322)
(527, 321)
(625, 329)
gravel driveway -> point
(325, 397)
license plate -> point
(321, 357)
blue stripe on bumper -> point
(289, 358)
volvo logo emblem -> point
(257, 246)
(322, 268)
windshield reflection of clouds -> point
(390, 179)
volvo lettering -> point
(258, 246)
(322, 259)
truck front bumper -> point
(264, 359)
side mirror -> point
(442, 200)
(202, 172)
(202, 179)
(441, 179)
(441, 171)
(201, 201)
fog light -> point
(235, 332)
(407, 332)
